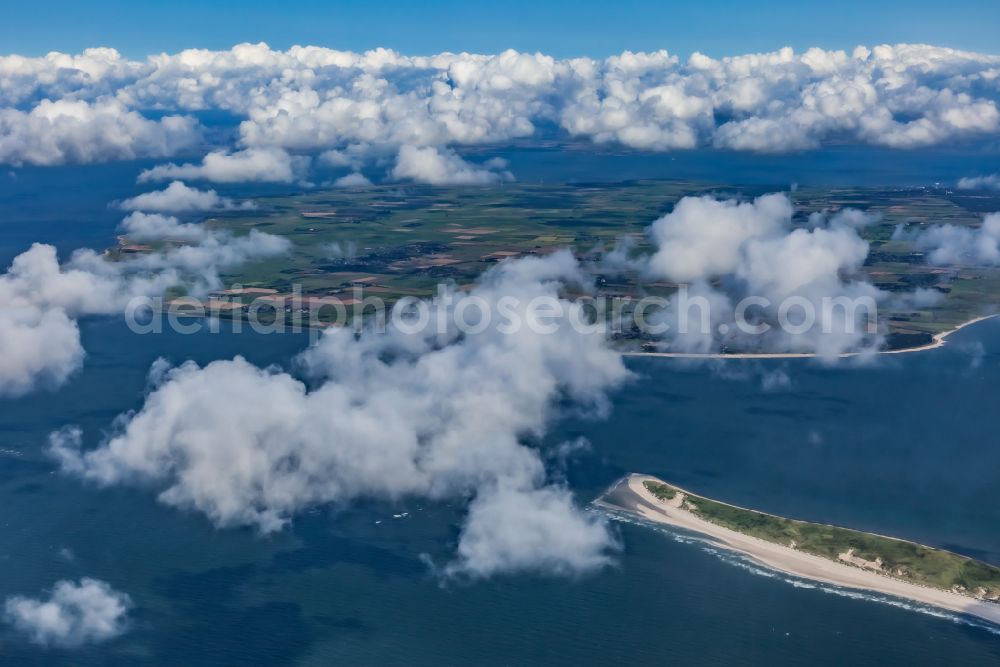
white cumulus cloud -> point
(704, 237)
(139, 226)
(441, 167)
(541, 530)
(316, 100)
(73, 614)
(352, 180)
(743, 261)
(41, 298)
(55, 132)
(953, 245)
(38, 348)
(265, 165)
(439, 415)
(180, 198)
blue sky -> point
(559, 28)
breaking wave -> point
(746, 563)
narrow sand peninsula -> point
(938, 340)
(629, 494)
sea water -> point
(906, 446)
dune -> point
(631, 495)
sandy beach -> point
(938, 340)
(629, 494)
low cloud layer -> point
(959, 246)
(72, 615)
(989, 182)
(85, 107)
(388, 416)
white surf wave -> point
(746, 563)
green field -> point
(900, 559)
(400, 241)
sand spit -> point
(630, 495)
(938, 341)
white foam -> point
(746, 563)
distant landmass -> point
(403, 241)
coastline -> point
(632, 496)
(939, 339)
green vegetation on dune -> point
(661, 491)
(900, 559)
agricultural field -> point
(395, 241)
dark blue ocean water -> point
(907, 447)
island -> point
(819, 552)
(393, 241)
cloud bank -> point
(87, 107)
(74, 614)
